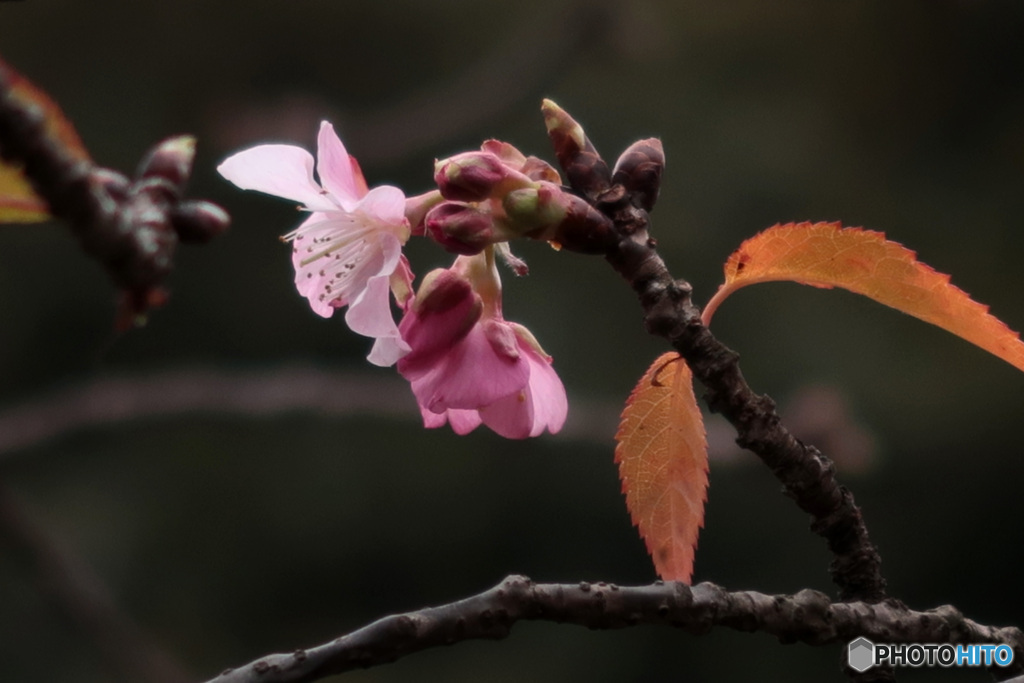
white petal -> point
(281, 170)
(336, 257)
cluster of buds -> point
(466, 364)
(498, 194)
(634, 182)
(148, 217)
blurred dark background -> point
(273, 523)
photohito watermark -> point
(862, 654)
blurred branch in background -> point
(116, 400)
(75, 590)
(808, 616)
(816, 413)
(131, 227)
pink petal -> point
(327, 282)
(385, 204)
(306, 277)
(281, 170)
(401, 283)
(511, 416)
(469, 376)
(502, 338)
(547, 394)
(462, 421)
(338, 278)
(370, 315)
(335, 168)
(357, 176)
(433, 420)
(542, 405)
(387, 350)
(369, 312)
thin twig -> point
(807, 617)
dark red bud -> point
(115, 183)
(198, 222)
(460, 228)
(639, 170)
(585, 229)
(587, 172)
(416, 209)
(476, 176)
(170, 160)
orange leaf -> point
(18, 202)
(863, 261)
(663, 462)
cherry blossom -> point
(348, 252)
(468, 365)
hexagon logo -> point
(861, 655)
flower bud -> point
(114, 182)
(585, 229)
(532, 167)
(538, 169)
(476, 176)
(443, 290)
(506, 151)
(639, 171)
(588, 173)
(198, 222)
(170, 160)
(550, 213)
(462, 228)
(444, 309)
(534, 210)
(416, 209)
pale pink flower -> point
(348, 252)
(468, 365)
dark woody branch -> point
(808, 616)
(808, 476)
(624, 196)
(130, 226)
